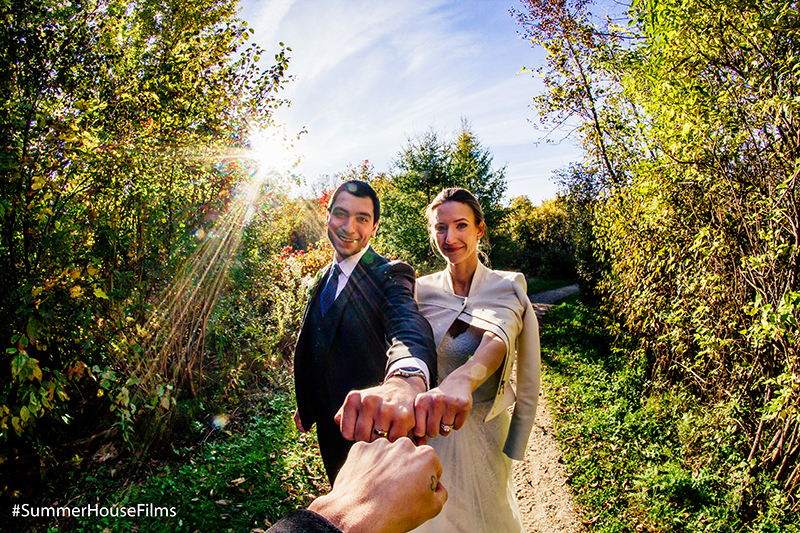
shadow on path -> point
(545, 501)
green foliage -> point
(255, 324)
(423, 168)
(643, 457)
(241, 472)
(120, 124)
(541, 236)
(688, 115)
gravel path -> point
(545, 500)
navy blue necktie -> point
(329, 291)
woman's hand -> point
(446, 407)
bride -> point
(481, 320)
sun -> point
(271, 150)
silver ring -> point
(380, 433)
(445, 428)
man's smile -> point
(345, 239)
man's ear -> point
(375, 228)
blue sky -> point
(369, 74)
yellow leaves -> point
(24, 367)
(38, 182)
(76, 291)
(36, 372)
(100, 293)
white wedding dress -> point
(476, 472)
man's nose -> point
(349, 225)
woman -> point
(481, 320)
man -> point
(364, 352)
(382, 488)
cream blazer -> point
(497, 302)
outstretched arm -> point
(384, 487)
(449, 404)
(388, 409)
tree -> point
(423, 168)
(691, 131)
(121, 123)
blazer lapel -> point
(316, 289)
(334, 314)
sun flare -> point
(272, 151)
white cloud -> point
(369, 74)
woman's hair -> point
(455, 194)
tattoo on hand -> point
(433, 483)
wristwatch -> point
(407, 372)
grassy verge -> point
(643, 458)
(243, 473)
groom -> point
(364, 352)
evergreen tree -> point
(423, 168)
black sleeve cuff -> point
(304, 521)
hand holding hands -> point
(444, 408)
(384, 487)
(383, 411)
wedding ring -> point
(445, 428)
(380, 433)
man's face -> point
(350, 224)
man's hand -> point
(299, 423)
(383, 411)
(384, 487)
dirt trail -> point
(545, 500)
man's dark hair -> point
(361, 190)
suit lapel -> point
(334, 314)
(316, 289)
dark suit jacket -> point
(372, 323)
(304, 522)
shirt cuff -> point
(416, 362)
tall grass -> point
(241, 471)
(643, 457)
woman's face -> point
(456, 233)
